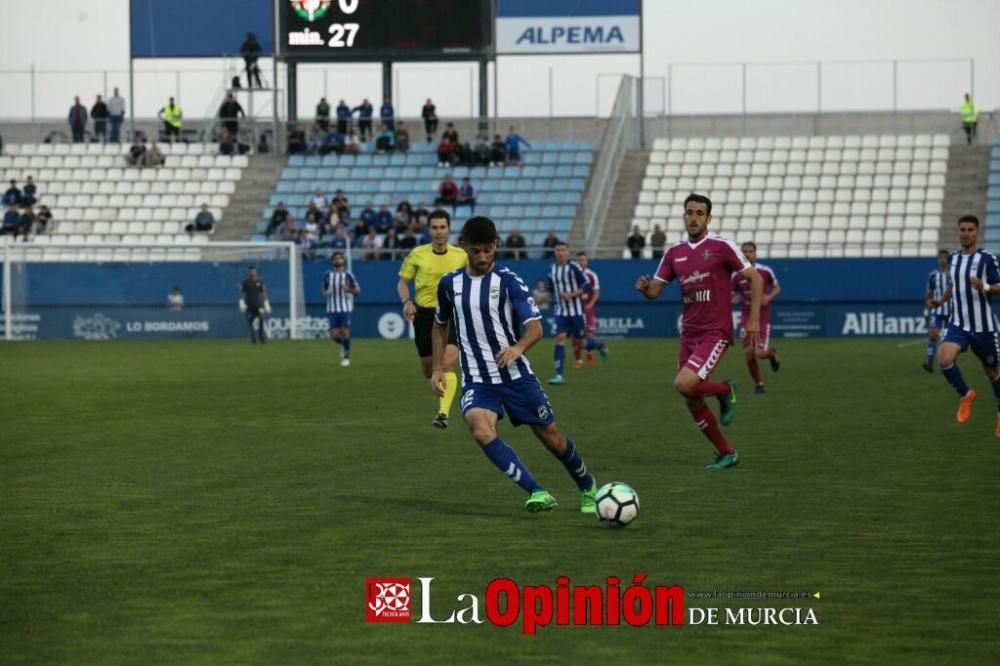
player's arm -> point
(353, 286)
(991, 282)
(651, 287)
(439, 338)
(243, 298)
(403, 290)
(773, 294)
(945, 297)
(752, 327)
(595, 296)
(527, 312)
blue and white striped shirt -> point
(489, 312)
(568, 277)
(335, 284)
(937, 283)
(971, 308)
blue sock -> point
(594, 343)
(954, 377)
(996, 392)
(507, 462)
(346, 344)
(574, 464)
(931, 350)
(560, 354)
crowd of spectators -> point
(139, 155)
(635, 243)
(501, 151)
(29, 221)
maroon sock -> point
(770, 353)
(706, 422)
(710, 388)
(754, 369)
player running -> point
(339, 289)
(975, 277)
(590, 299)
(741, 286)
(568, 285)
(937, 316)
(425, 265)
(704, 264)
(497, 322)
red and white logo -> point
(388, 599)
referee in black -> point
(253, 302)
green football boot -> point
(604, 352)
(727, 404)
(558, 379)
(588, 498)
(724, 461)
(540, 500)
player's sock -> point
(996, 392)
(705, 420)
(576, 353)
(574, 464)
(754, 368)
(931, 351)
(707, 388)
(346, 344)
(954, 377)
(560, 356)
(450, 389)
(507, 462)
(590, 356)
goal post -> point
(137, 290)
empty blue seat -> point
(550, 211)
(567, 211)
(381, 160)
(393, 173)
(993, 193)
(426, 172)
(577, 184)
(369, 186)
(341, 173)
(364, 160)
(543, 184)
(580, 171)
(521, 198)
(525, 185)
(330, 160)
(296, 160)
(564, 171)
(397, 159)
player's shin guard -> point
(709, 388)
(931, 351)
(754, 369)
(559, 353)
(450, 389)
(577, 469)
(954, 377)
(706, 422)
(507, 462)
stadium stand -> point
(540, 194)
(819, 196)
(96, 198)
(992, 232)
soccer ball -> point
(617, 504)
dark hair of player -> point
(581, 253)
(969, 218)
(751, 244)
(562, 244)
(944, 252)
(438, 214)
(335, 255)
(479, 231)
(699, 198)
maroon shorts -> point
(590, 322)
(703, 352)
(763, 338)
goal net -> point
(113, 291)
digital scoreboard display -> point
(383, 29)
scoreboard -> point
(353, 30)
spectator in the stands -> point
(30, 194)
(389, 245)
(467, 195)
(498, 151)
(343, 118)
(450, 133)
(386, 139)
(227, 142)
(333, 142)
(407, 241)
(297, 141)
(420, 211)
(340, 241)
(447, 193)
(970, 117)
(312, 229)
(116, 109)
(384, 220)
(323, 115)
(658, 241)
(27, 221)
(99, 112)
(341, 205)
(351, 144)
(422, 230)
(550, 242)
(153, 157)
(516, 245)
(203, 221)
(635, 242)
(371, 244)
(12, 197)
(404, 215)
(446, 153)
(319, 200)
(279, 219)
(43, 218)
(229, 114)
(542, 295)
(77, 119)
(136, 153)
(172, 117)
(402, 137)
(429, 114)
(388, 114)
(369, 214)
(11, 222)
(364, 111)
(305, 243)
(513, 143)
(481, 152)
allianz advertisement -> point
(568, 26)
(614, 320)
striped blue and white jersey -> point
(971, 308)
(568, 277)
(335, 284)
(489, 312)
(937, 283)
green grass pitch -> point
(209, 502)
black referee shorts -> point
(423, 322)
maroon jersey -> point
(704, 269)
(741, 285)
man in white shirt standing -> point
(116, 112)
